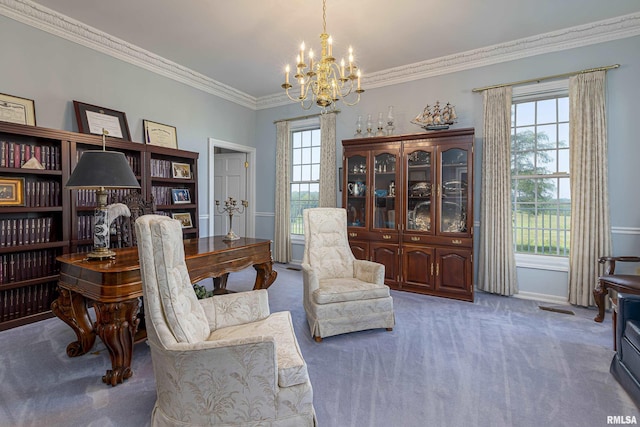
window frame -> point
(535, 92)
(300, 126)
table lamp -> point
(102, 170)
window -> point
(305, 174)
(541, 199)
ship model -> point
(436, 118)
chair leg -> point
(318, 339)
(389, 329)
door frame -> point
(251, 183)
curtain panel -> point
(497, 266)
(282, 236)
(590, 222)
(328, 169)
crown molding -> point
(48, 20)
(45, 19)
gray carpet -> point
(497, 362)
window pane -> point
(297, 173)
(306, 139)
(297, 140)
(546, 161)
(546, 137)
(563, 160)
(563, 135)
(315, 155)
(297, 156)
(525, 113)
(563, 109)
(306, 155)
(547, 111)
(315, 172)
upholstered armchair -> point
(224, 360)
(341, 294)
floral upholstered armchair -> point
(219, 361)
(341, 294)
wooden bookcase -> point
(52, 220)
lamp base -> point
(231, 236)
(101, 254)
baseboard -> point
(553, 299)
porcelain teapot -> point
(356, 188)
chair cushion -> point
(292, 369)
(341, 290)
(185, 316)
(632, 333)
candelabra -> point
(231, 207)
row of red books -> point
(161, 168)
(20, 302)
(15, 155)
(25, 231)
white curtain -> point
(327, 161)
(282, 238)
(590, 227)
(497, 269)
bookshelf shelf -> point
(62, 218)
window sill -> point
(542, 262)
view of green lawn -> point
(544, 233)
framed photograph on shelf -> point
(159, 134)
(14, 109)
(184, 218)
(181, 170)
(93, 119)
(180, 196)
(11, 191)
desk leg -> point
(265, 275)
(220, 284)
(598, 294)
(71, 308)
(116, 325)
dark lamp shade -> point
(102, 169)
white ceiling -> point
(245, 44)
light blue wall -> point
(410, 98)
(54, 72)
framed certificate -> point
(14, 109)
(159, 134)
(93, 119)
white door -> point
(230, 180)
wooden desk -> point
(115, 286)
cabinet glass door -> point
(384, 191)
(419, 185)
(453, 197)
(356, 190)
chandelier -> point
(324, 82)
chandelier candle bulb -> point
(286, 75)
(330, 46)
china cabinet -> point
(409, 203)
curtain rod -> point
(304, 117)
(539, 79)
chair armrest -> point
(368, 271)
(610, 262)
(235, 309)
(309, 280)
(188, 376)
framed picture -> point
(180, 195)
(184, 218)
(93, 119)
(159, 134)
(14, 109)
(11, 191)
(181, 170)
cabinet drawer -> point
(464, 242)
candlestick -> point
(231, 207)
